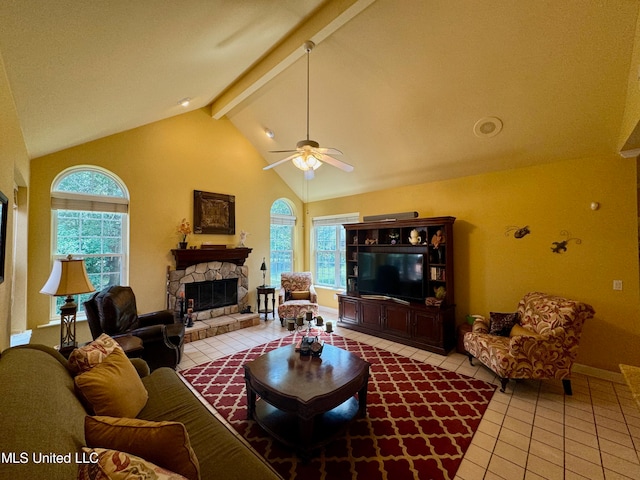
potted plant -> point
(184, 229)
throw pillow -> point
(84, 358)
(105, 464)
(501, 323)
(519, 330)
(164, 443)
(300, 295)
(113, 387)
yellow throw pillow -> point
(84, 358)
(300, 295)
(113, 387)
(520, 330)
(164, 443)
(105, 464)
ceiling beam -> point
(329, 18)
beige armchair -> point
(543, 345)
(297, 295)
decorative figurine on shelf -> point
(414, 238)
(438, 300)
(184, 229)
(438, 239)
(393, 238)
(243, 237)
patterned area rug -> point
(420, 418)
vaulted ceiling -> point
(397, 85)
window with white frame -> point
(282, 225)
(89, 208)
(329, 249)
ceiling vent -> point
(487, 127)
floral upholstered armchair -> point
(539, 341)
(297, 295)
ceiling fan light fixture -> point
(308, 156)
(306, 161)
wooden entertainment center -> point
(408, 320)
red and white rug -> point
(420, 418)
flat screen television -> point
(398, 275)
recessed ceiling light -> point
(185, 102)
(269, 133)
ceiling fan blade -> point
(337, 163)
(328, 150)
(280, 162)
(283, 151)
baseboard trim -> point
(598, 373)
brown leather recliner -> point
(113, 311)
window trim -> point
(326, 221)
(65, 200)
(283, 220)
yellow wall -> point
(164, 162)
(494, 270)
(14, 169)
(161, 164)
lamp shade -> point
(263, 267)
(68, 277)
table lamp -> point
(68, 277)
(263, 267)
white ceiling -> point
(397, 85)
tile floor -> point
(531, 432)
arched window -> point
(89, 207)
(283, 221)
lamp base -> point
(68, 326)
(65, 350)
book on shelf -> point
(437, 273)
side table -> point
(462, 329)
(265, 291)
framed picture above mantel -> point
(214, 213)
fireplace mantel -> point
(191, 256)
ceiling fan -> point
(308, 155)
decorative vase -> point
(182, 245)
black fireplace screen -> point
(212, 294)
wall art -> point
(517, 231)
(214, 213)
(561, 247)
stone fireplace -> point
(209, 273)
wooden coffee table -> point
(307, 401)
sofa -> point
(42, 413)
(538, 341)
